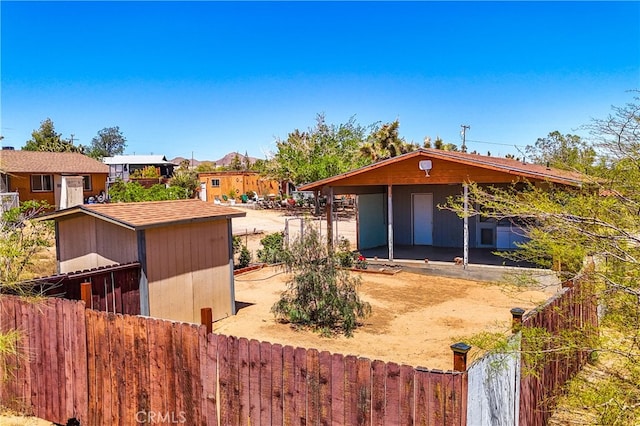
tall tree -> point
(46, 139)
(236, 163)
(246, 161)
(568, 152)
(322, 151)
(107, 143)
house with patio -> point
(121, 167)
(62, 179)
(397, 200)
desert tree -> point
(45, 138)
(109, 142)
(319, 294)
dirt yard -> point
(415, 317)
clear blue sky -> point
(209, 78)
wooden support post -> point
(85, 295)
(460, 350)
(206, 319)
(516, 322)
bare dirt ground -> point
(415, 318)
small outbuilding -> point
(184, 248)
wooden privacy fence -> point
(575, 309)
(114, 288)
(104, 368)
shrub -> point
(273, 248)
(245, 257)
(344, 254)
(320, 294)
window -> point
(41, 183)
(86, 183)
(215, 183)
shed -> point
(184, 248)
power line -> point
(496, 143)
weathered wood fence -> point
(105, 368)
(114, 288)
(575, 309)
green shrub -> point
(320, 294)
(344, 254)
(273, 248)
(245, 257)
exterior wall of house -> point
(240, 182)
(21, 183)
(85, 242)
(372, 221)
(188, 269)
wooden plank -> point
(224, 379)
(436, 398)
(277, 384)
(254, 382)
(265, 389)
(142, 353)
(338, 389)
(209, 372)
(92, 375)
(363, 389)
(243, 384)
(51, 361)
(392, 394)
(422, 395)
(325, 397)
(23, 323)
(288, 386)
(103, 364)
(119, 382)
(80, 364)
(130, 367)
(300, 385)
(176, 403)
(378, 376)
(158, 346)
(351, 395)
(192, 391)
(407, 395)
(234, 369)
(68, 330)
(313, 387)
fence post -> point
(516, 322)
(85, 295)
(206, 318)
(460, 350)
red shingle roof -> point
(49, 162)
(151, 214)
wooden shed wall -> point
(189, 269)
(85, 242)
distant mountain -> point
(224, 161)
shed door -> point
(422, 219)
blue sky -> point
(207, 78)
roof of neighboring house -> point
(151, 214)
(506, 165)
(18, 161)
(136, 159)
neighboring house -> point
(62, 179)
(184, 248)
(213, 185)
(397, 198)
(122, 166)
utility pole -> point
(464, 136)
